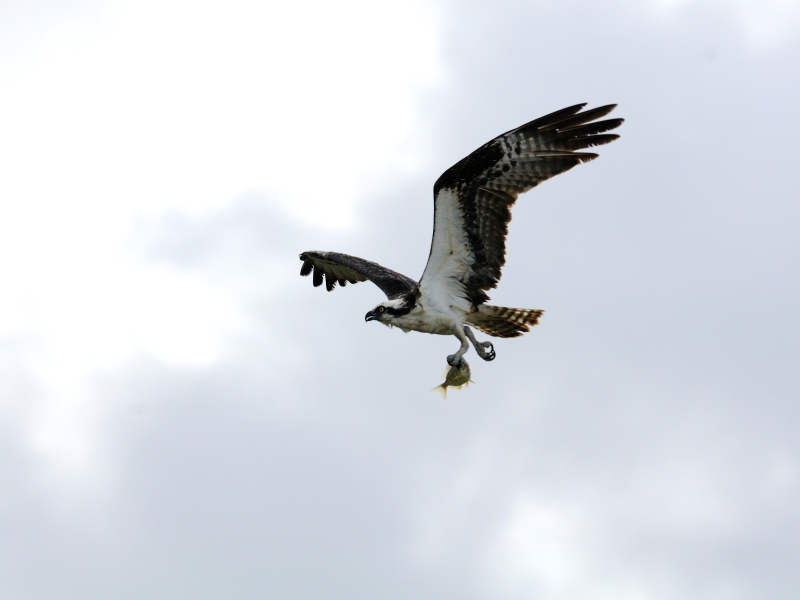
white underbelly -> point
(436, 321)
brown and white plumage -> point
(472, 209)
(480, 190)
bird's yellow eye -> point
(381, 309)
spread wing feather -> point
(473, 198)
(343, 269)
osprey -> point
(472, 209)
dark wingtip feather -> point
(579, 118)
(330, 282)
(553, 117)
(317, 277)
(588, 142)
(590, 128)
(306, 268)
(601, 111)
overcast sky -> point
(183, 416)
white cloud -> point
(540, 549)
(145, 107)
(764, 23)
(159, 105)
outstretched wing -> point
(344, 269)
(473, 198)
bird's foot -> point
(485, 350)
(454, 360)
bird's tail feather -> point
(499, 321)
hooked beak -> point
(370, 316)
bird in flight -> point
(472, 209)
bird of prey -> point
(472, 209)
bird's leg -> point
(454, 360)
(484, 349)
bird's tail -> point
(499, 321)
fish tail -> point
(442, 389)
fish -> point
(455, 377)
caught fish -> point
(455, 377)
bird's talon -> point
(486, 351)
(453, 361)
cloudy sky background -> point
(183, 416)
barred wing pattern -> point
(473, 198)
(344, 269)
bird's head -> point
(387, 312)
